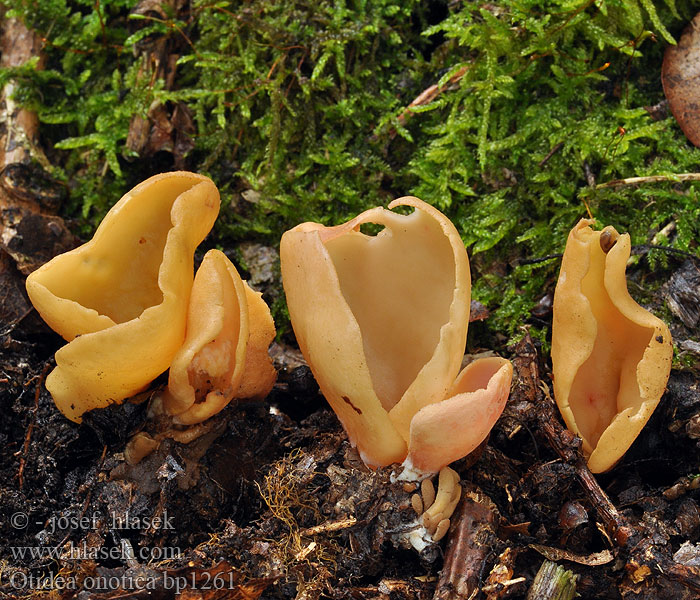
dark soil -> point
(272, 502)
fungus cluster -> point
(434, 509)
(381, 320)
(224, 355)
(125, 303)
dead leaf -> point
(137, 138)
(510, 529)
(162, 131)
(680, 76)
(591, 560)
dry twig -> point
(649, 179)
(427, 96)
(562, 441)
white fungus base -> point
(410, 473)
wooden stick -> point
(643, 557)
(649, 179)
(429, 94)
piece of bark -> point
(27, 192)
(682, 293)
(472, 538)
(552, 582)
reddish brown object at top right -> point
(680, 76)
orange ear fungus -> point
(382, 321)
(611, 358)
(120, 299)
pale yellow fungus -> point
(441, 530)
(427, 491)
(448, 494)
(139, 446)
(434, 510)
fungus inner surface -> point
(399, 284)
(606, 383)
(119, 277)
(476, 376)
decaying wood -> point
(472, 540)
(552, 582)
(682, 293)
(500, 582)
(19, 140)
(29, 233)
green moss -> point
(303, 104)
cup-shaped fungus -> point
(611, 358)
(224, 356)
(120, 300)
(382, 321)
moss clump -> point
(299, 112)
